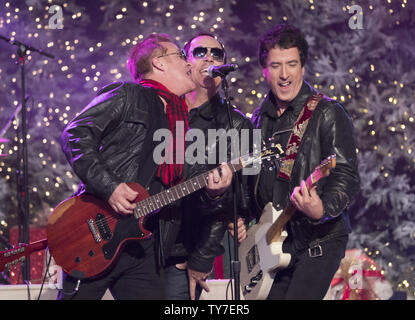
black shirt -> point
(270, 187)
(205, 110)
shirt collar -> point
(295, 105)
(207, 110)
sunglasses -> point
(181, 54)
(216, 53)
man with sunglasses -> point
(186, 274)
(110, 143)
(310, 127)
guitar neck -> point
(37, 246)
(276, 228)
(178, 191)
(313, 179)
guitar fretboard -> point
(177, 192)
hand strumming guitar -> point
(120, 199)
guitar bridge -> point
(99, 228)
(94, 231)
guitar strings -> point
(147, 209)
(148, 205)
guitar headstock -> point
(326, 165)
(272, 154)
(268, 155)
(10, 258)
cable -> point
(230, 283)
(50, 276)
(46, 272)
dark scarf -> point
(170, 173)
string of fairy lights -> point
(57, 105)
(71, 46)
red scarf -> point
(171, 172)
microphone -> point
(221, 71)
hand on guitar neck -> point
(218, 182)
(123, 197)
(261, 253)
(307, 201)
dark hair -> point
(201, 34)
(139, 62)
(284, 36)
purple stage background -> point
(361, 54)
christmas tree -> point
(360, 54)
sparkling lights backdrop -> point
(362, 57)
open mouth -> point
(285, 84)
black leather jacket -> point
(106, 143)
(205, 229)
(329, 131)
(110, 142)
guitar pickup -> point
(99, 228)
(103, 227)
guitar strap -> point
(297, 134)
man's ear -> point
(157, 64)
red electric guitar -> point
(85, 235)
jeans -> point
(176, 284)
(133, 277)
(308, 278)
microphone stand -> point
(236, 183)
(24, 192)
